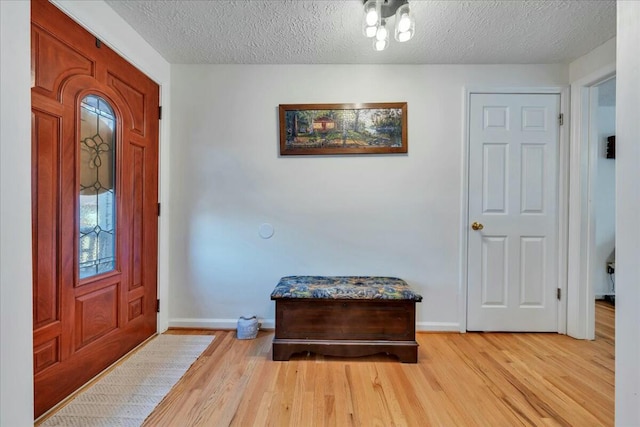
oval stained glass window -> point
(97, 192)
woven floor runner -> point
(128, 394)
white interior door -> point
(513, 180)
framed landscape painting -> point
(324, 129)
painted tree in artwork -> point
(389, 122)
(297, 122)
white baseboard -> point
(438, 327)
(270, 324)
(215, 323)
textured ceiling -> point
(330, 32)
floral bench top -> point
(344, 287)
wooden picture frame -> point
(326, 129)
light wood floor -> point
(473, 379)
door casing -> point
(581, 233)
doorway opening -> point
(602, 198)
(602, 148)
(591, 237)
(94, 205)
(538, 161)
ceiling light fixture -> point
(374, 23)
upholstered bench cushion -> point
(344, 287)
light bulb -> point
(382, 33)
(380, 44)
(371, 18)
(405, 23)
(370, 31)
(403, 37)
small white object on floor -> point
(247, 327)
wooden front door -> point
(95, 193)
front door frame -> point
(83, 324)
(581, 237)
(563, 196)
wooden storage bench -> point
(345, 316)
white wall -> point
(395, 215)
(605, 199)
(16, 366)
(627, 214)
(602, 55)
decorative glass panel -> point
(97, 187)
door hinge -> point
(561, 119)
(160, 112)
(157, 306)
(559, 293)
(158, 209)
(98, 43)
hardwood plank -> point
(605, 320)
(460, 379)
(473, 379)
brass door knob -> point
(477, 226)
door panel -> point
(533, 157)
(494, 195)
(495, 269)
(85, 322)
(46, 131)
(62, 62)
(512, 265)
(532, 271)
